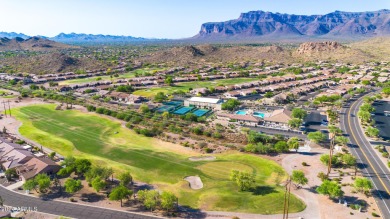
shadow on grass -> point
(263, 190)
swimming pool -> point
(259, 114)
(241, 112)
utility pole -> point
(330, 153)
(5, 109)
(287, 198)
(9, 108)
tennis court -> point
(165, 108)
(174, 103)
(201, 112)
(184, 110)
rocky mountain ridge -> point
(268, 24)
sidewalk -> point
(15, 185)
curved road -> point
(369, 162)
(67, 209)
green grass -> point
(185, 86)
(106, 142)
(121, 76)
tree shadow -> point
(263, 190)
(380, 194)
(309, 153)
(92, 197)
(188, 212)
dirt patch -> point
(202, 158)
(195, 182)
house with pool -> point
(277, 119)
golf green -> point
(108, 142)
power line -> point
(5, 109)
(9, 107)
(287, 198)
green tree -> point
(52, 155)
(365, 116)
(325, 160)
(330, 188)
(98, 171)
(299, 113)
(386, 91)
(341, 140)
(72, 186)
(30, 185)
(294, 123)
(125, 178)
(293, 143)
(98, 184)
(160, 97)
(269, 94)
(230, 104)
(367, 107)
(43, 182)
(82, 166)
(125, 88)
(335, 130)
(349, 160)
(191, 117)
(316, 137)
(119, 193)
(363, 185)
(244, 180)
(168, 80)
(281, 146)
(168, 201)
(69, 164)
(372, 132)
(149, 198)
(10, 173)
(144, 108)
(299, 178)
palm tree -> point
(334, 131)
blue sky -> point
(151, 18)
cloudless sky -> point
(151, 18)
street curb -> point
(71, 203)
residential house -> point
(278, 119)
(36, 166)
(247, 120)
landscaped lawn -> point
(107, 142)
(185, 86)
(121, 76)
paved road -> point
(64, 208)
(368, 161)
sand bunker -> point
(202, 158)
(195, 182)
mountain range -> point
(99, 38)
(31, 44)
(259, 25)
(271, 25)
